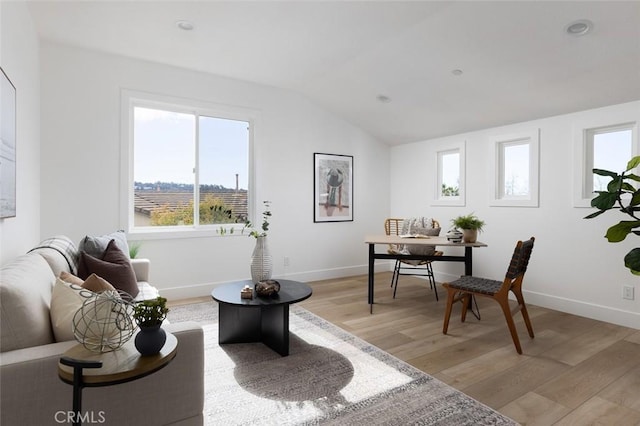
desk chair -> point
(396, 226)
(467, 286)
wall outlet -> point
(287, 261)
(627, 292)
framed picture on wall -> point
(332, 188)
(7, 147)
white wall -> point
(19, 60)
(573, 268)
(81, 170)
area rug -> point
(330, 377)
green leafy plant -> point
(134, 248)
(624, 197)
(266, 214)
(150, 312)
(469, 221)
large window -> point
(188, 167)
(450, 175)
(516, 170)
(607, 147)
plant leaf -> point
(627, 187)
(632, 261)
(614, 185)
(632, 177)
(619, 232)
(603, 172)
(594, 214)
(633, 163)
(604, 201)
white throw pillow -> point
(66, 299)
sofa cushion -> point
(96, 245)
(114, 266)
(25, 293)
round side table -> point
(82, 368)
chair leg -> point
(395, 271)
(466, 298)
(504, 304)
(396, 277)
(432, 279)
(447, 313)
(523, 310)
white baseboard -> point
(200, 290)
(575, 307)
(584, 309)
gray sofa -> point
(31, 393)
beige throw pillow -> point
(66, 299)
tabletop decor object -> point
(470, 225)
(454, 235)
(261, 260)
(103, 323)
(620, 190)
(149, 315)
(267, 288)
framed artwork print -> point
(7, 147)
(332, 188)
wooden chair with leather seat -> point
(393, 226)
(467, 286)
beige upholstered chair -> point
(467, 286)
(394, 226)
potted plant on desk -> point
(149, 315)
(470, 225)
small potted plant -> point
(470, 225)
(149, 314)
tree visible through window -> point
(183, 159)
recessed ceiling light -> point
(579, 27)
(185, 25)
(384, 99)
(456, 72)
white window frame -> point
(583, 132)
(449, 148)
(530, 138)
(131, 99)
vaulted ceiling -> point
(441, 68)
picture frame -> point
(332, 187)
(7, 147)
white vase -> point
(261, 261)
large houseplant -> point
(470, 225)
(624, 197)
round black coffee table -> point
(261, 319)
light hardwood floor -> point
(576, 371)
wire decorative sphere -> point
(104, 322)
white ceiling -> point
(518, 63)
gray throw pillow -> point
(96, 245)
(421, 226)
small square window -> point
(607, 147)
(449, 189)
(516, 170)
